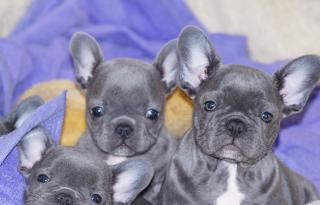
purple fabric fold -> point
(38, 50)
(12, 184)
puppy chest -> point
(232, 194)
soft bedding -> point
(37, 51)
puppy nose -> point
(64, 199)
(124, 130)
(236, 127)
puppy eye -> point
(96, 198)
(152, 114)
(42, 178)
(210, 105)
(266, 117)
(97, 111)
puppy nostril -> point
(124, 130)
(64, 199)
(236, 127)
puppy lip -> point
(231, 147)
(123, 145)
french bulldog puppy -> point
(125, 106)
(61, 175)
(226, 157)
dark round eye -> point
(97, 111)
(266, 117)
(42, 178)
(96, 198)
(152, 114)
(210, 105)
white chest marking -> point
(112, 160)
(232, 196)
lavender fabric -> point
(38, 50)
(12, 184)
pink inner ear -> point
(203, 74)
(283, 93)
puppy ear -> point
(21, 111)
(24, 109)
(35, 142)
(130, 178)
(197, 58)
(167, 64)
(32, 148)
(86, 54)
(295, 82)
(5, 127)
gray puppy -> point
(60, 175)
(226, 157)
(125, 106)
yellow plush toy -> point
(177, 114)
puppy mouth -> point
(123, 146)
(124, 149)
(231, 152)
(231, 148)
(131, 146)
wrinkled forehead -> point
(76, 165)
(242, 82)
(136, 80)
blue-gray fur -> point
(126, 89)
(74, 174)
(198, 171)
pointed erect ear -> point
(295, 82)
(197, 58)
(24, 109)
(167, 64)
(19, 114)
(32, 148)
(35, 142)
(130, 178)
(86, 54)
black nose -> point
(124, 130)
(64, 199)
(236, 127)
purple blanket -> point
(12, 183)
(38, 50)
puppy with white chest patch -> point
(125, 106)
(61, 175)
(226, 157)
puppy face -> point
(125, 97)
(238, 109)
(69, 176)
(63, 180)
(132, 112)
(229, 114)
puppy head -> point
(68, 176)
(238, 109)
(125, 97)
